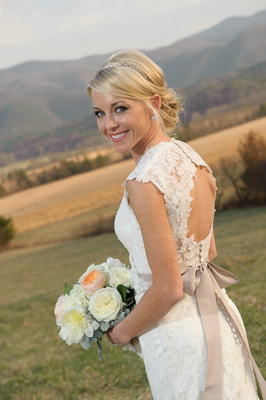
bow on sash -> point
(206, 280)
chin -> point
(122, 149)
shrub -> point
(2, 191)
(101, 224)
(242, 180)
(20, 177)
(7, 230)
(252, 150)
(262, 110)
(101, 161)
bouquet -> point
(102, 297)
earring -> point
(153, 117)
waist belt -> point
(206, 280)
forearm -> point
(152, 307)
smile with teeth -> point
(119, 136)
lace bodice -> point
(170, 166)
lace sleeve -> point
(162, 168)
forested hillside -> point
(210, 105)
(40, 96)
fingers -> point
(109, 337)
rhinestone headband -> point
(118, 65)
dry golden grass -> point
(224, 143)
(66, 198)
(92, 191)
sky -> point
(72, 29)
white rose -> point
(103, 267)
(114, 262)
(119, 276)
(74, 323)
(105, 304)
(77, 296)
(68, 302)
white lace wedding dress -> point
(175, 351)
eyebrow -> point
(112, 105)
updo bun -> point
(131, 74)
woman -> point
(191, 335)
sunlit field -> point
(37, 365)
(90, 192)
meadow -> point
(52, 247)
(37, 365)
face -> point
(124, 122)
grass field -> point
(66, 198)
(37, 365)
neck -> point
(153, 137)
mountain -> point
(39, 96)
(232, 44)
(233, 91)
(219, 34)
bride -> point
(191, 334)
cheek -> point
(100, 125)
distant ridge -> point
(245, 86)
(37, 97)
(219, 34)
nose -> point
(110, 123)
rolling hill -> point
(95, 190)
(245, 87)
(38, 96)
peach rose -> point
(58, 311)
(92, 282)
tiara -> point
(118, 65)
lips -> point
(118, 136)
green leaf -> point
(97, 335)
(67, 288)
(120, 318)
(123, 291)
(99, 350)
(86, 342)
(105, 326)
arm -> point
(166, 290)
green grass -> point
(36, 365)
(240, 237)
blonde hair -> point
(135, 76)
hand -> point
(115, 337)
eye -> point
(120, 109)
(99, 113)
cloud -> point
(15, 29)
(60, 29)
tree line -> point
(19, 179)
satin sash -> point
(206, 280)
